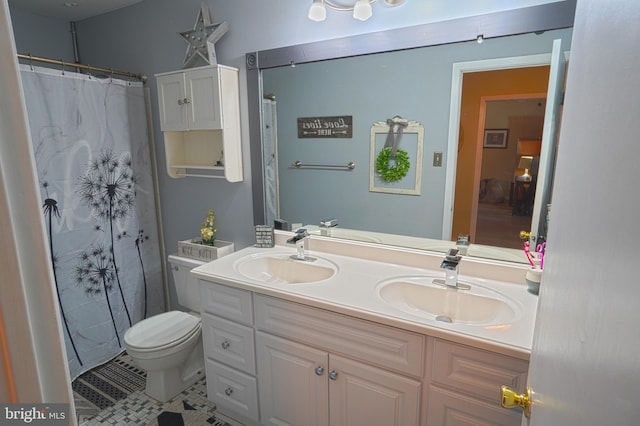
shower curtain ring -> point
(111, 69)
(30, 62)
(62, 63)
(89, 71)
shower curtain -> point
(94, 167)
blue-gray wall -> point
(144, 38)
(42, 36)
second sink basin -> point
(280, 268)
(420, 296)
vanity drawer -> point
(229, 342)
(232, 389)
(446, 407)
(475, 371)
(227, 302)
(387, 347)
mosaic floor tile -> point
(113, 394)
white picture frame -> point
(412, 142)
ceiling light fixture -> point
(361, 8)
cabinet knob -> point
(187, 101)
(319, 370)
(180, 101)
(228, 391)
(225, 344)
(510, 399)
(333, 375)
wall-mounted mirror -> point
(370, 78)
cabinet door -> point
(450, 408)
(171, 97)
(361, 394)
(292, 383)
(203, 99)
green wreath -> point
(392, 173)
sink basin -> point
(421, 297)
(280, 268)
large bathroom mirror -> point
(408, 73)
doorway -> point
(526, 81)
(505, 201)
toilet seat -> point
(162, 331)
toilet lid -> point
(165, 329)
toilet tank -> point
(186, 284)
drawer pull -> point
(228, 391)
(225, 345)
(333, 375)
(319, 370)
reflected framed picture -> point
(496, 138)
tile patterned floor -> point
(140, 409)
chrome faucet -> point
(462, 244)
(326, 225)
(301, 240)
(450, 265)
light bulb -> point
(317, 11)
(362, 10)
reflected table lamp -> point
(525, 163)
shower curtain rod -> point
(90, 68)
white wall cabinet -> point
(199, 113)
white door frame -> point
(459, 69)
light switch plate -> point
(437, 159)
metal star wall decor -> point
(202, 38)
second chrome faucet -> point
(450, 265)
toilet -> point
(168, 346)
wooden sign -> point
(264, 236)
(325, 127)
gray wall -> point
(144, 38)
(42, 36)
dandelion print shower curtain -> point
(94, 167)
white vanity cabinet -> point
(228, 339)
(330, 369)
(271, 361)
(199, 113)
(465, 386)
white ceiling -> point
(71, 10)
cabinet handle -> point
(319, 370)
(333, 375)
(228, 391)
(225, 344)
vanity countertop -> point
(353, 291)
